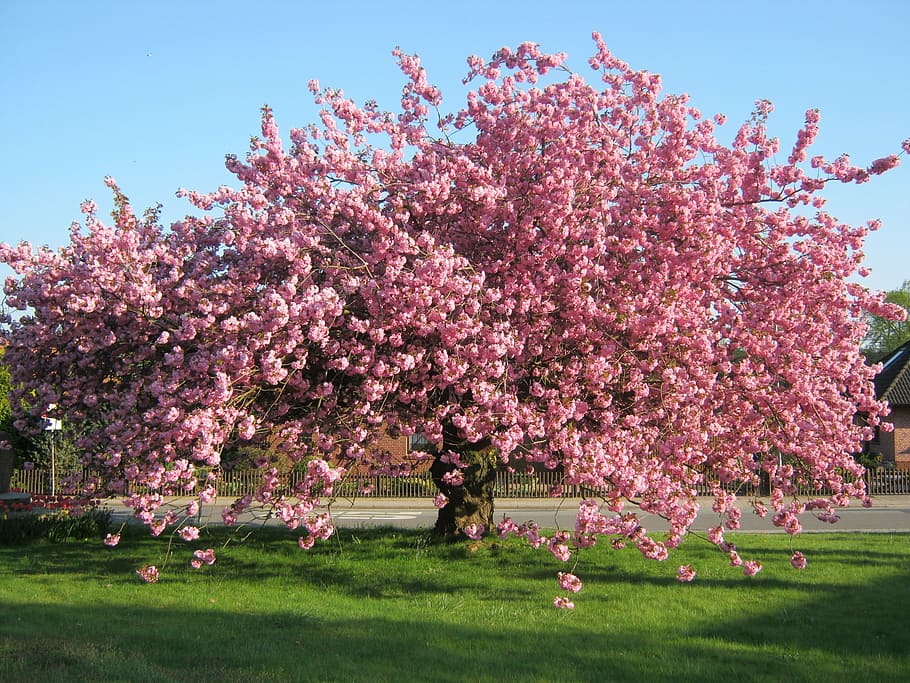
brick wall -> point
(900, 437)
(397, 447)
(400, 453)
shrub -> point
(58, 526)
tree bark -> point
(6, 464)
(472, 502)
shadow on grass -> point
(142, 643)
(719, 628)
(288, 647)
(847, 632)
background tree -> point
(35, 446)
(6, 415)
(886, 333)
(6, 428)
(556, 275)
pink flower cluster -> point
(751, 567)
(529, 531)
(474, 531)
(201, 557)
(685, 573)
(320, 527)
(558, 547)
(569, 582)
(189, 533)
(563, 603)
(453, 478)
(149, 573)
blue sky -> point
(156, 93)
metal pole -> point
(53, 467)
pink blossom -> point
(506, 527)
(149, 573)
(201, 557)
(440, 500)
(569, 582)
(531, 532)
(884, 164)
(453, 478)
(320, 526)
(112, 540)
(798, 560)
(828, 516)
(653, 550)
(685, 573)
(474, 531)
(557, 545)
(716, 535)
(582, 541)
(751, 567)
(563, 603)
(189, 533)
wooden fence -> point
(880, 482)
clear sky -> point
(156, 93)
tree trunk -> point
(6, 464)
(472, 502)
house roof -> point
(893, 381)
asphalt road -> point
(889, 513)
(895, 517)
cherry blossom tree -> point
(559, 274)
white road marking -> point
(385, 516)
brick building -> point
(398, 451)
(892, 384)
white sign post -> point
(52, 425)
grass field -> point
(386, 606)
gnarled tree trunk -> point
(472, 501)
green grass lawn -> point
(386, 606)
